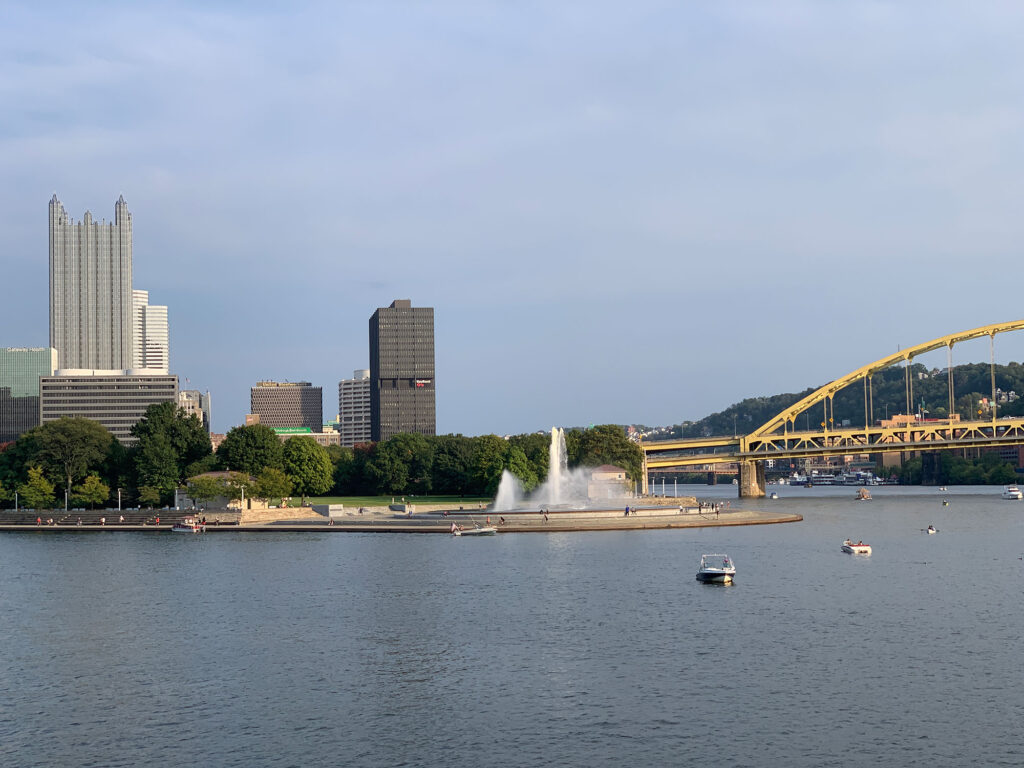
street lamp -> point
(65, 501)
(118, 499)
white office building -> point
(91, 289)
(150, 341)
(354, 408)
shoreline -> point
(519, 523)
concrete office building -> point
(117, 399)
(196, 403)
(20, 370)
(150, 345)
(91, 289)
(354, 408)
(288, 404)
(402, 370)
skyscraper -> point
(150, 346)
(354, 408)
(402, 370)
(91, 289)
(288, 404)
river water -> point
(568, 649)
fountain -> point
(563, 488)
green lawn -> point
(379, 501)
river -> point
(568, 649)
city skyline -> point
(628, 215)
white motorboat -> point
(188, 525)
(1012, 492)
(931, 529)
(487, 530)
(773, 495)
(860, 548)
(863, 495)
(718, 569)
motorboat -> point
(931, 529)
(773, 495)
(1012, 492)
(477, 530)
(188, 525)
(863, 495)
(860, 548)
(717, 569)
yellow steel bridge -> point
(777, 438)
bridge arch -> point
(904, 355)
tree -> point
(453, 456)
(74, 446)
(149, 496)
(168, 441)
(251, 449)
(5, 495)
(519, 466)
(205, 488)
(272, 483)
(37, 493)
(236, 486)
(608, 444)
(487, 465)
(156, 464)
(308, 466)
(92, 491)
(384, 472)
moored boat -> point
(477, 530)
(188, 525)
(718, 569)
(860, 548)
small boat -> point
(717, 569)
(860, 548)
(1012, 492)
(931, 529)
(188, 525)
(773, 495)
(488, 530)
(863, 495)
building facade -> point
(196, 403)
(150, 341)
(354, 408)
(20, 371)
(287, 404)
(116, 399)
(402, 370)
(91, 289)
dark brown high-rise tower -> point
(402, 370)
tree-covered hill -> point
(972, 383)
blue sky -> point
(631, 213)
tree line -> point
(80, 458)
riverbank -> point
(432, 522)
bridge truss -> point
(776, 438)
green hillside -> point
(971, 384)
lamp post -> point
(15, 501)
(65, 501)
(118, 499)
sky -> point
(621, 212)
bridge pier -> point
(712, 477)
(752, 479)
